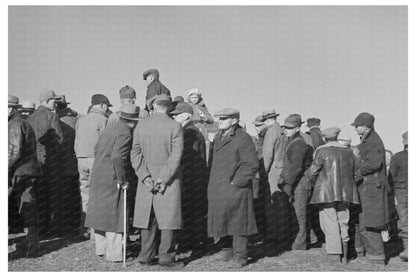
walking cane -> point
(125, 227)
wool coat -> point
(332, 173)
(111, 167)
(230, 196)
(67, 155)
(373, 190)
(155, 88)
(156, 153)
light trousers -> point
(110, 245)
(333, 218)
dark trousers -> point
(148, 238)
(299, 224)
(372, 241)
(402, 212)
(70, 208)
(354, 229)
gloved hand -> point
(148, 182)
(160, 186)
(122, 185)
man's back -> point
(87, 131)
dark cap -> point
(183, 107)
(97, 99)
(153, 72)
(228, 112)
(405, 134)
(62, 99)
(310, 122)
(364, 119)
(47, 94)
(129, 111)
(269, 114)
(127, 92)
(292, 121)
(331, 133)
(14, 101)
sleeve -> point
(174, 160)
(248, 163)
(373, 160)
(207, 114)
(295, 163)
(316, 167)
(76, 137)
(137, 159)
(120, 156)
(268, 148)
(56, 125)
(393, 170)
(15, 144)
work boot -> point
(404, 255)
(237, 263)
(225, 255)
(344, 257)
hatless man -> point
(373, 195)
(88, 130)
(127, 95)
(154, 86)
(230, 196)
(194, 181)
(156, 158)
(293, 181)
(332, 175)
(47, 127)
(70, 196)
(110, 175)
(399, 172)
(23, 168)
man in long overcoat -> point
(230, 196)
(49, 137)
(194, 182)
(373, 190)
(109, 177)
(156, 158)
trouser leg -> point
(402, 211)
(148, 241)
(166, 247)
(329, 225)
(373, 243)
(343, 215)
(84, 168)
(114, 251)
(100, 242)
(240, 247)
(300, 203)
(41, 194)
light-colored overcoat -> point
(156, 153)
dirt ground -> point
(72, 254)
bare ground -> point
(76, 255)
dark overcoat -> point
(111, 166)
(230, 196)
(157, 152)
(373, 190)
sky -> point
(330, 62)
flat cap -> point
(228, 112)
(100, 99)
(405, 142)
(331, 133)
(310, 122)
(14, 101)
(28, 106)
(129, 111)
(183, 107)
(364, 119)
(258, 121)
(269, 114)
(47, 94)
(127, 92)
(154, 72)
(292, 121)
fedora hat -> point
(14, 101)
(28, 106)
(129, 112)
(269, 114)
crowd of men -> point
(284, 189)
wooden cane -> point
(125, 227)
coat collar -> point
(332, 144)
(367, 135)
(228, 137)
(95, 110)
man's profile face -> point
(179, 118)
(260, 128)
(10, 110)
(360, 130)
(290, 131)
